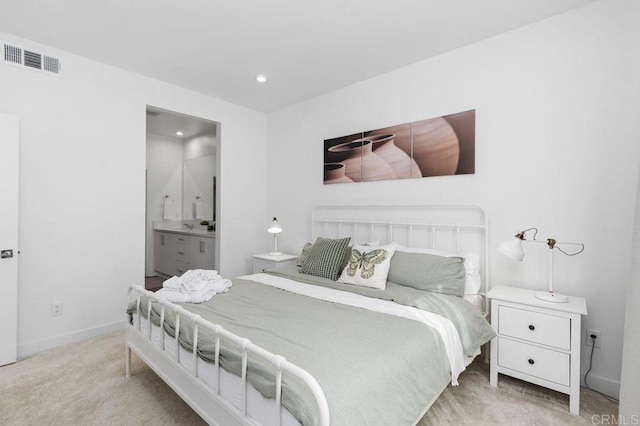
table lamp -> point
(275, 229)
(513, 249)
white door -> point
(8, 238)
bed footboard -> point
(205, 400)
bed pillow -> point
(304, 254)
(326, 257)
(428, 272)
(473, 281)
(307, 248)
(368, 266)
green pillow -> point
(307, 248)
(326, 258)
(305, 252)
(428, 272)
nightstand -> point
(264, 261)
(537, 341)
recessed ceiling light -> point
(179, 133)
(261, 78)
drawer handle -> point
(531, 361)
(532, 327)
(181, 253)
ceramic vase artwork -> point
(402, 164)
(361, 163)
(335, 173)
(436, 149)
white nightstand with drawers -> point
(537, 341)
(264, 261)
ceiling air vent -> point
(25, 58)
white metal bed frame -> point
(443, 226)
(384, 222)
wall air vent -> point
(14, 55)
(32, 60)
(51, 64)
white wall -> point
(164, 177)
(630, 383)
(82, 189)
(556, 147)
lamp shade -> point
(275, 227)
(512, 248)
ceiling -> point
(304, 47)
(164, 123)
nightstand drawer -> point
(535, 361)
(262, 265)
(549, 330)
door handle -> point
(6, 254)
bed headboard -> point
(456, 228)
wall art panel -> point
(436, 146)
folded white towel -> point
(221, 286)
(191, 281)
(167, 209)
(178, 297)
(172, 283)
(199, 207)
(197, 279)
(197, 297)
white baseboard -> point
(31, 348)
(601, 384)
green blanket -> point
(473, 329)
(367, 363)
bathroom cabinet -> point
(175, 252)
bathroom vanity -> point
(176, 251)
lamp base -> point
(552, 297)
(275, 253)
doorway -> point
(182, 197)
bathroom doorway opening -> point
(182, 194)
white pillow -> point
(368, 266)
(472, 281)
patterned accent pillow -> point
(308, 246)
(368, 266)
(326, 257)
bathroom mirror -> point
(198, 188)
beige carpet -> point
(84, 384)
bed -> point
(291, 346)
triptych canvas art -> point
(433, 147)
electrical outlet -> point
(589, 341)
(56, 309)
